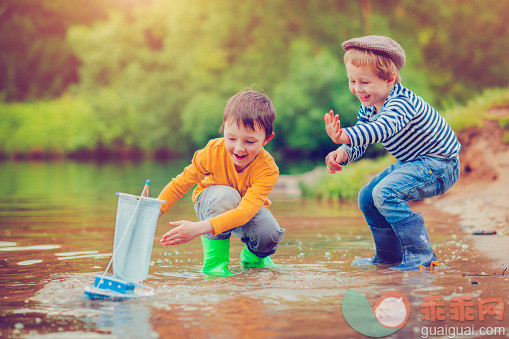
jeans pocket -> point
(427, 189)
(434, 168)
(437, 177)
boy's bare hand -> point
(185, 231)
(333, 126)
(333, 159)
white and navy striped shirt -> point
(407, 126)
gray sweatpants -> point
(261, 234)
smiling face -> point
(367, 86)
(243, 144)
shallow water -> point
(56, 234)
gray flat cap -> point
(381, 44)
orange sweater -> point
(213, 166)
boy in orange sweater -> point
(235, 176)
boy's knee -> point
(380, 195)
(219, 199)
(265, 239)
(267, 242)
(227, 199)
(365, 198)
(270, 239)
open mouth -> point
(239, 157)
(364, 98)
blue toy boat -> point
(108, 287)
(135, 226)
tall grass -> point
(476, 109)
(344, 185)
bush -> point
(59, 126)
(476, 109)
(345, 185)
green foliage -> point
(47, 126)
(504, 123)
(202, 117)
(161, 81)
(155, 89)
(345, 185)
(35, 61)
(315, 84)
(464, 43)
(477, 109)
(156, 74)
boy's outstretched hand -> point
(333, 126)
(333, 159)
(185, 231)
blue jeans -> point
(261, 234)
(383, 200)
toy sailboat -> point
(132, 247)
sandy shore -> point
(481, 208)
(480, 198)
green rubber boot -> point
(216, 255)
(251, 260)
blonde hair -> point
(382, 65)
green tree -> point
(315, 80)
(35, 61)
(156, 74)
(463, 42)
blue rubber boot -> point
(251, 260)
(417, 251)
(388, 248)
(216, 256)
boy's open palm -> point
(185, 231)
(333, 126)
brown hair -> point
(381, 64)
(248, 108)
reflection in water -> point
(72, 254)
(300, 298)
(126, 320)
(97, 256)
(28, 248)
(29, 262)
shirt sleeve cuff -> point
(349, 151)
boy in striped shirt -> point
(413, 132)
